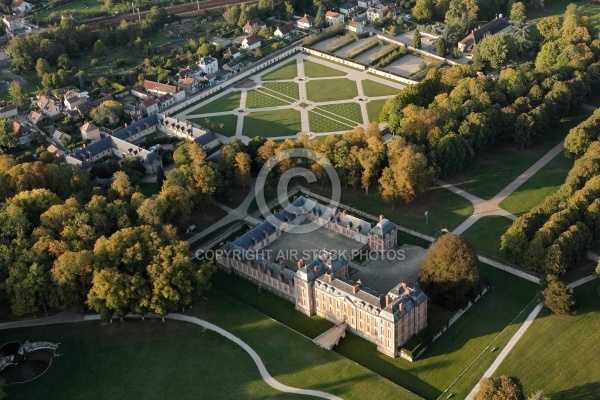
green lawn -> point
(405, 238)
(205, 219)
(545, 182)
(374, 89)
(446, 210)
(275, 123)
(149, 188)
(452, 353)
(323, 122)
(316, 70)
(273, 94)
(176, 360)
(496, 168)
(345, 112)
(374, 109)
(331, 89)
(229, 123)
(288, 71)
(226, 102)
(485, 236)
(77, 5)
(560, 354)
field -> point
(560, 354)
(280, 106)
(557, 9)
(485, 236)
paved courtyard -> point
(383, 273)
(292, 246)
(406, 65)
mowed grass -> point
(374, 89)
(560, 354)
(374, 109)
(273, 94)
(346, 112)
(140, 360)
(149, 189)
(557, 9)
(284, 122)
(542, 184)
(485, 236)
(331, 89)
(458, 347)
(223, 124)
(288, 71)
(497, 167)
(227, 102)
(184, 361)
(323, 122)
(316, 70)
(77, 5)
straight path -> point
(71, 317)
(483, 208)
(515, 339)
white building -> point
(90, 131)
(348, 8)
(306, 22)
(251, 42)
(20, 7)
(284, 31)
(331, 17)
(208, 65)
(354, 26)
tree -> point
(9, 139)
(110, 112)
(232, 15)
(289, 11)
(15, 90)
(494, 51)
(557, 297)
(416, 42)
(320, 18)
(440, 47)
(243, 164)
(549, 27)
(503, 387)
(121, 186)
(108, 5)
(405, 179)
(42, 67)
(423, 10)
(99, 49)
(518, 13)
(449, 274)
(264, 33)
(64, 61)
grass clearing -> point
(559, 354)
(452, 353)
(331, 90)
(345, 112)
(557, 9)
(495, 169)
(316, 70)
(223, 124)
(324, 122)
(375, 89)
(226, 102)
(288, 71)
(374, 108)
(149, 189)
(545, 182)
(485, 236)
(285, 122)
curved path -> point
(71, 317)
(255, 357)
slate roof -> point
(135, 127)
(205, 139)
(383, 228)
(490, 28)
(252, 39)
(159, 87)
(88, 127)
(285, 29)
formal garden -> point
(300, 94)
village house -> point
(233, 66)
(61, 137)
(159, 89)
(322, 286)
(218, 41)
(305, 22)
(331, 17)
(375, 14)
(132, 111)
(368, 3)
(90, 131)
(251, 42)
(494, 27)
(35, 117)
(208, 65)
(355, 26)
(348, 8)
(20, 7)
(232, 53)
(73, 99)
(8, 111)
(48, 106)
(24, 129)
(15, 26)
(284, 31)
(254, 24)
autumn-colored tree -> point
(557, 297)
(504, 387)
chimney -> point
(343, 212)
(401, 307)
(387, 300)
(381, 218)
(331, 277)
(300, 263)
(316, 270)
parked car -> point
(155, 148)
